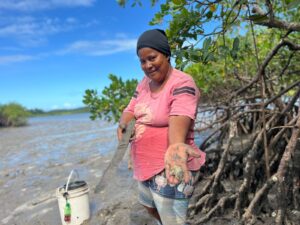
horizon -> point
(51, 52)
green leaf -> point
(236, 44)
(223, 50)
(293, 4)
(177, 2)
(206, 43)
(212, 7)
(287, 2)
(194, 56)
(88, 91)
(121, 2)
(233, 54)
(157, 19)
(185, 12)
(209, 14)
(210, 57)
(164, 7)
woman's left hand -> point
(176, 162)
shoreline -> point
(37, 159)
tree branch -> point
(272, 22)
(265, 63)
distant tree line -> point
(40, 112)
(15, 115)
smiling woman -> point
(156, 66)
(165, 157)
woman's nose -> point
(148, 65)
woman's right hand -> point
(123, 122)
(176, 162)
(121, 130)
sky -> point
(51, 51)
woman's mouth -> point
(152, 73)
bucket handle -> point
(69, 178)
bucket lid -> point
(75, 185)
(74, 188)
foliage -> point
(113, 100)
(40, 112)
(244, 55)
(36, 111)
(13, 114)
(67, 111)
(216, 34)
(134, 2)
(216, 42)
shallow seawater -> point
(37, 159)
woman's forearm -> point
(126, 118)
(123, 122)
(178, 129)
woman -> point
(163, 150)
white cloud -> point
(71, 20)
(30, 31)
(10, 48)
(34, 5)
(53, 107)
(30, 26)
(99, 48)
(67, 105)
(15, 58)
(121, 35)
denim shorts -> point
(171, 201)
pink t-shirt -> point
(179, 96)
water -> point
(36, 159)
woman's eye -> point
(152, 58)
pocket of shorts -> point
(179, 191)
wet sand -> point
(37, 159)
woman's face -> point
(154, 64)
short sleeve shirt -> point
(179, 96)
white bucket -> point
(78, 198)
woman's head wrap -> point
(155, 39)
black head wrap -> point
(155, 39)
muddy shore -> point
(37, 159)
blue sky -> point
(51, 51)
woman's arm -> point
(178, 152)
(178, 129)
(124, 120)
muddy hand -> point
(176, 162)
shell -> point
(177, 172)
(181, 186)
(274, 178)
(188, 190)
(160, 181)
